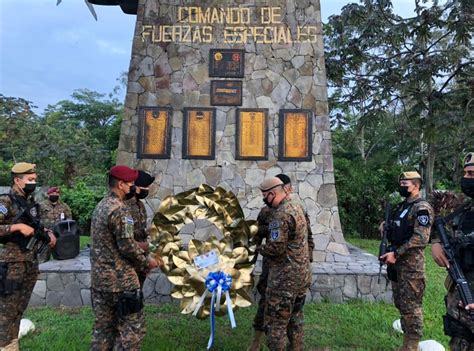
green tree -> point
(417, 71)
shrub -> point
(82, 198)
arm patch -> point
(423, 217)
(274, 228)
(127, 227)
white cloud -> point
(107, 46)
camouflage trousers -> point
(12, 306)
(258, 321)
(112, 330)
(284, 319)
(408, 298)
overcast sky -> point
(48, 51)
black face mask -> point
(143, 194)
(268, 203)
(403, 190)
(131, 192)
(29, 188)
(53, 198)
(467, 186)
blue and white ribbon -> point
(216, 284)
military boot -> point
(13, 346)
(410, 343)
(256, 341)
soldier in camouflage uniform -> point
(115, 260)
(138, 212)
(263, 220)
(18, 266)
(52, 210)
(457, 322)
(289, 274)
(409, 235)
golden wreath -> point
(235, 250)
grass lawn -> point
(353, 326)
(84, 241)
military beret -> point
(270, 183)
(24, 168)
(284, 178)
(144, 179)
(469, 159)
(124, 173)
(409, 175)
(53, 189)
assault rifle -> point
(384, 243)
(39, 236)
(454, 270)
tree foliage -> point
(72, 139)
(417, 71)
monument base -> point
(67, 283)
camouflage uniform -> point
(50, 214)
(289, 275)
(263, 220)
(22, 266)
(115, 260)
(458, 323)
(415, 218)
(138, 212)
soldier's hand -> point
(24, 229)
(159, 261)
(52, 239)
(152, 263)
(470, 306)
(143, 245)
(381, 228)
(439, 256)
(389, 258)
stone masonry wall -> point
(277, 76)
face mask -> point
(403, 190)
(467, 186)
(53, 198)
(29, 188)
(268, 203)
(131, 192)
(143, 194)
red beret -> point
(53, 189)
(124, 173)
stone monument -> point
(228, 93)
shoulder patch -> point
(128, 220)
(3, 209)
(423, 217)
(274, 225)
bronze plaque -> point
(295, 135)
(199, 131)
(154, 134)
(226, 92)
(226, 63)
(252, 134)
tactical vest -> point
(21, 205)
(463, 241)
(401, 230)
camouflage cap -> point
(469, 159)
(270, 183)
(24, 168)
(409, 175)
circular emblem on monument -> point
(218, 56)
(235, 57)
